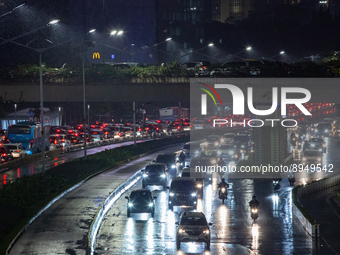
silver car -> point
(16, 149)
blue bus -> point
(29, 135)
(173, 113)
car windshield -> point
(12, 147)
(140, 195)
(241, 139)
(165, 159)
(323, 126)
(183, 186)
(312, 153)
(194, 220)
(154, 169)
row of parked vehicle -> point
(263, 68)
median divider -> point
(94, 163)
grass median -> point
(24, 198)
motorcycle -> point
(223, 194)
(291, 180)
(276, 184)
(254, 213)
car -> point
(227, 152)
(141, 201)
(16, 150)
(317, 143)
(199, 68)
(182, 192)
(5, 154)
(193, 227)
(155, 174)
(311, 157)
(97, 135)
(185, 172)
(228, 138)
(212, 142)
(170, 160)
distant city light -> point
(53, 21)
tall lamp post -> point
(15, 113)
(246, 49)
(281, 53)
(88, 115)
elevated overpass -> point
(157, 89)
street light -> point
(246, 49)
(88, 115)
(52, 22)
(281, 53)
(168, 39)
(15, 113)
(92, 31)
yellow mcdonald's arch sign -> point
(96, 55)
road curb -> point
(22, 231)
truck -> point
(173, 113)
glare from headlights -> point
(150, 204)
(254, 210)
(163, 175)
(193, 194)
(130, 204)
(242, 146)
(199, 186)
(326, 130)
(223, 189)
(171, 194)
(222, 140)
(213, 161)
(312, 145)
(231, 152)
(304, 159)
(206, 231)
(173, 166)
(181, 230)
(216, 143)
(145, 175)
(319, 159)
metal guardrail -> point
(304, 222)
(106, 206)
(319, 185)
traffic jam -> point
(24, 138)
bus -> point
(29, 135)
(173, 113)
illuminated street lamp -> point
(168, 39)
(92, 31)
(52, 22)
(281, 53)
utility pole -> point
(134, 122)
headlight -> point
(145, 175)
(171, 194)
(316, 130)
(193, 194)
(312, 145)
(130, 204)
(216, 143)
(150, 204)
(173, 166)
(304, 159)
(199, 186)
(219, 153)
(326, 130)
(205, 143)
(231, 152)
(222, 140)
(223, 189)
(320, 149)
(319, 159)
(181, 230)
(163, 175)
(324, 145)
(254, 210)
(206, 231)
(242, 146)
(213, 161)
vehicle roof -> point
(190, 214)
(183, 179)
(140, 190)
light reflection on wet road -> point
(36, 167)
(233, 231)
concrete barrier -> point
(319, 185)
(304, 222)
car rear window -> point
(155, 169)
(182, 186)
(194, 220)
(312, 153)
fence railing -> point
(319, 185)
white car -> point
(16, 149)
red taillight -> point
(105, 133)
(204, 67)
(158, 121)
(157, 128)
(58, 130)
(78, 127)
(4, 154)
(93, 126)
(139, 129)
(76, 134)
(55, 141)
(119, 134)
(63, 140)
(70, 131)
(178, 127)
(4, 137)
(18, 150)
(147, 128)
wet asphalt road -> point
(233, 231)
(36, 167)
